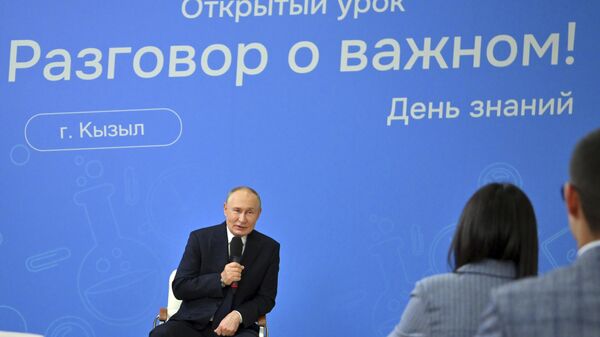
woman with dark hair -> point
(495, 242)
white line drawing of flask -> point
(118, 278)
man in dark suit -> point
(565, 302)
(220, 297)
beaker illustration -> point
(118, 278)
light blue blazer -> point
(562, 303)
(450, 305)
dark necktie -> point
(227, 303)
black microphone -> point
(235, 249)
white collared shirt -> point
(588, 246)
(230, 236)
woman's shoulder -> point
(438, 280)
(482, 275)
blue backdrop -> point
(365, 125)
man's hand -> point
(231, 273)
(229, 324)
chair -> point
(173, 305)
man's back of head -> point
(582, 193)
(563, 302)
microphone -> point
(235, 249)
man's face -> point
(241, 212)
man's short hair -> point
(584, 174)
(244, 188)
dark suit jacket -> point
(198, 279)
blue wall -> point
(92, 221)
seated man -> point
(564, 302)
(221, 297)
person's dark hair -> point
(498, 222)
(584, 173)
